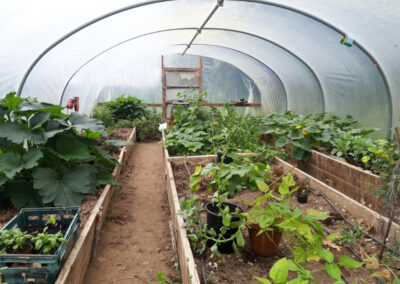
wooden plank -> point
(182, 87)
(164, 90)
(181, 69)
(187, 264)
(201, 76)
(357, 209)
(75, 267)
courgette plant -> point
(47, 157)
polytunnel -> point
(146, 141)
(298, 42)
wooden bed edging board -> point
(344, 177)
(187, 265)
(357, 209)
(75, 267)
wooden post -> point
(164, 89)
(201, 76)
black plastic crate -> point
(40, 268)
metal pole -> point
(220, 3)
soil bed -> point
(242, 270)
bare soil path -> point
(135, 240)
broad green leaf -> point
(37, 119)
(281, 141)
(22, 194)
(327, 255)
(262, 280)
(344, 260)
(226, 219)
(14, 132)
(299, 255)
(283, 189)
(365, 159)
(297, 212)
(280, 271)
(289, 180)
(303, 144)
(10, 164)
(195, 183)
(297, 153)
(68, 147)
(239, 238)
(82, 121)
(295, 134)
(64, 189)
(30, 159)
(11, 101)
(292, 224)
(162, 279)
(262, 186)
(333, 270)
(198, 170)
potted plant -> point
(15, 241)
(302, 195)
(303, 190)
(267, 213)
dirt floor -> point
(135, 240)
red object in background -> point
(76, 106)
(73, 104)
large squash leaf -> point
(64, 188)
(12, 163)
(22, 194)
(67, 147)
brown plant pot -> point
(27, 248)
(265, 244)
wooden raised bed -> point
(75, 267)
(188, 267)
(353, 181)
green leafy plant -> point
(125, 107)
(303, 234)
(160, 278)
(199, 233)
(12, 240)
(43, 158)
(147, 126)
(234, 177)
(49, 242)
(52, 221)
(350, 235)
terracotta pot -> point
(265, 244)
(27, 248)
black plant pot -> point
(227, 159)
(215, 221)
(302, 197)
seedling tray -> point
(40, 268)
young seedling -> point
(49, 242)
